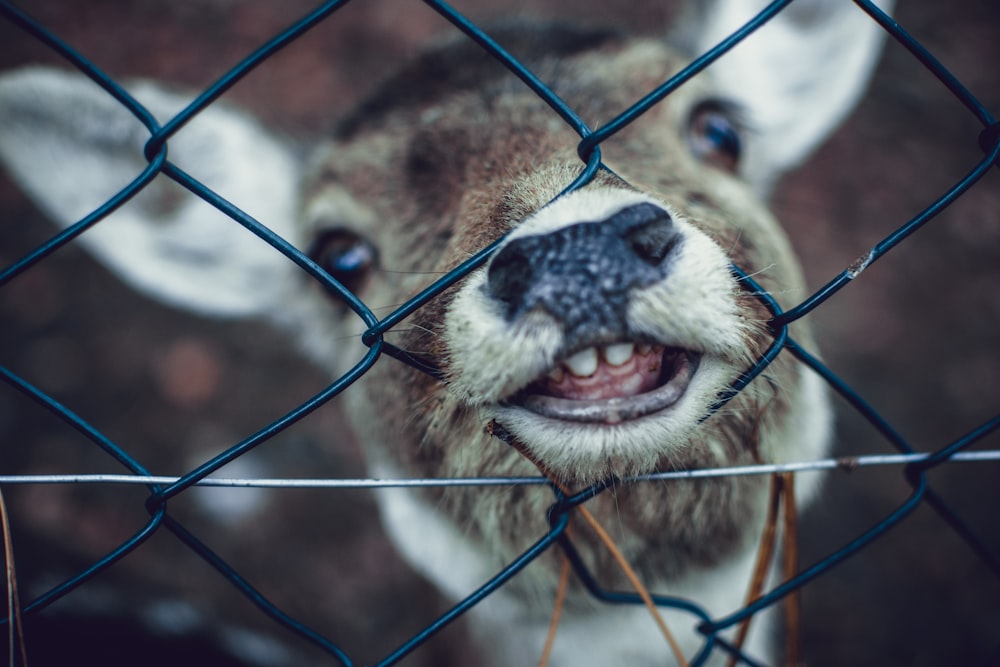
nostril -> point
(652, 242)
(509, 275)
(649, 231)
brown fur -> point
(452, 154)
(486, 178)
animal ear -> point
(796, 77)
(71, 147)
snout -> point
(599, 333)
(582, 277)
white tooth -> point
(644, 348)
(583, 363)
(556, 374)
(619, 353)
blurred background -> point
(916, 335)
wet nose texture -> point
(582, 274)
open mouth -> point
(611, 384)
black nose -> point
(582, 274)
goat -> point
(599, 336)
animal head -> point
(607, 323)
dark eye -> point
(346, 256)
(714, 135)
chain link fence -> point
(85, 543)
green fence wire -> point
(160, 490)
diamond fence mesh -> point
(901, 564)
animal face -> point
(608, 321)
(598, 336)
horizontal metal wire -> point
(844, 463)
(916, 464)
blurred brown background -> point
(916, 335)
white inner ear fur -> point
(796, 77)
(71, 146)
